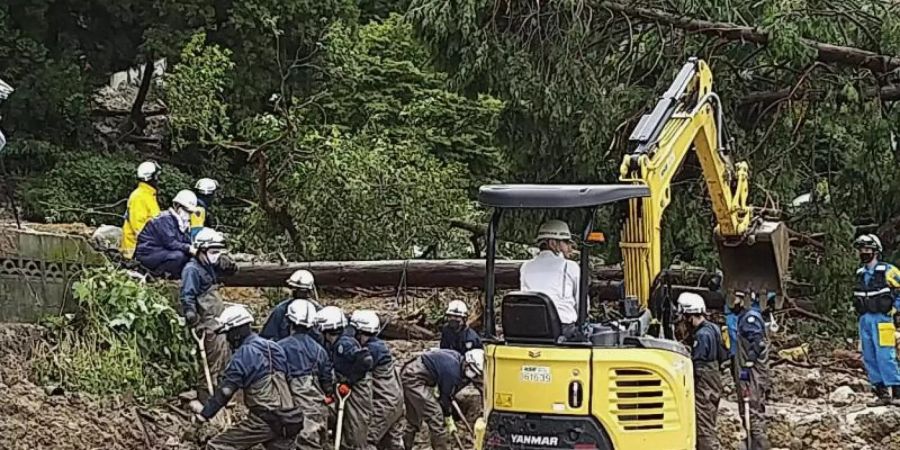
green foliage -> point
(125, 338)
(194, 92)
(90, 188)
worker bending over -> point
(751, 367)
(450, 372)
(553, 274)
(877, 299)
(309, 374)
(206, 191)
(456, 334)
(260, 368)
(142, 206)
(303, 287)
(385, 431)
(164, 245)
(201, 302)
(708, 353)
(352, 363)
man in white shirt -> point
(553, 274)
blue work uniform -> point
(278, 327)
(352, 363)
(163, 246)
(707, 354)
(875, 297)
(751, 369)
(444, 369)
(731, 321)
(259, 367)
(462, 341)
(310, 377)
(200, 295)
(387, 399)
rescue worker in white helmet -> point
(259, 368)
(877, 301)
(352, 364)
(456, 334)
(303, 287)
(164, 245)
(450, 372)
(553, 274)
(202, 217)
(385, 427)
(309, 373)
(707, 353)
(201, 302)
(141, 207)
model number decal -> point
(536, 374)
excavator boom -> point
(754, 252)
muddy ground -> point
(812, 407)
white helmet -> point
(148, 170)
(365, 320)
(457, 308)
(691, 303)
(187, 199)
(868, 241)
(474, 363)
(208, 238)
(302, 312)
(331, 318)
(302, 279)
(206, 186)
(554, 229)
(233, 317)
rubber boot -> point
(895, 391)
(883, 397)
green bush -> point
(125, 338)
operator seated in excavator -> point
(553, 274)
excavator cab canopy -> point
(549, 196)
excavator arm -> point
(689, 116)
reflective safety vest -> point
(876, 296)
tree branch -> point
(137, 109)
(828, 53)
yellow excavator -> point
(617, 385)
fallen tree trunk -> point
(829, 53)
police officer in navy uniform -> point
(456, 334)
(751, 367)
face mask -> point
(213, 256)
(454, 324)
(866, 257)
(184, 215)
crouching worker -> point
(387, 393)
(164, 245)
(259, 367)
(456, 334)
(751, 367)
(352, 363)
(201, 304)
(707, 353)
(303, 287)
(450, 372)
(309, 375)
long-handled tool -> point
(342, 400)
(746, 400)
(459, 441)
(462, 417)
(209, 384)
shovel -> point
(746, 400)
(209, 384)
(462, 416)
(342, 400)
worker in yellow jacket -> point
(142, 206)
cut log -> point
(419, 273)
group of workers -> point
(311, 363)
(161, 241)
(306, 355)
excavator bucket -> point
(757, 262)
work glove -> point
(451, 425)
(329, 399)
(227, 266)
(191, 317)
(745, 374)
(343, 390)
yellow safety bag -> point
(726, 338)
(886, 336)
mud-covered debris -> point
(842, 396)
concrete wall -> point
(36, 270)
